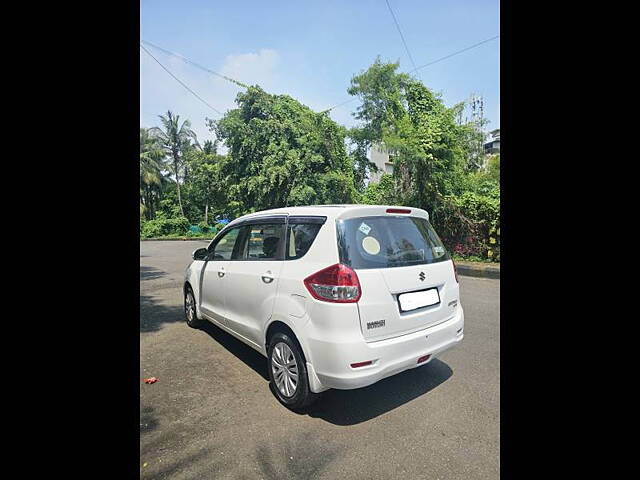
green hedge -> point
(163, 227)
(469, 225)
(177, 227)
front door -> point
(213, 277)
(252, 281)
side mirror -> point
(200, 254)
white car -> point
(335, 296)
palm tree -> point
(151, 167)
(175, 140)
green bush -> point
(469, 225)
(151, 229)
(161, 227)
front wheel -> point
(190, 309)
(288, 373)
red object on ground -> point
(150, 380)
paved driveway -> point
(212, 415)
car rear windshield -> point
(388, 241)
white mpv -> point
(335, 296)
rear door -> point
(405, 274)
(252, 281)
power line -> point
(197, 65)
(339, 105)
(455, 53)
(181, 82)
(401, 35)
(184, 59)
(428, 64)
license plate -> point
(414, 300)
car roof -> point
(331, 211)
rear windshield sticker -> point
(364, 228)
(371, 245)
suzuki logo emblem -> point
(422, 276)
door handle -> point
(221, 272)
(266, 277)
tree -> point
(151, 168)
(485, 181)
(381, 193)
(362, 166)
(210, 147)
(472, 138)
(282, 153)
(400, 113)
(175, 139)
(493, 168)
(206, 189)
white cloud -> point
(253, 68)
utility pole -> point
(476, 103)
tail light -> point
(455, 271)
(337, 283)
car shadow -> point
(242, 351)
(349, 407)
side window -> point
(263, 242)
(223, 249)
(300, 237)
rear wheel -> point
(190, 308)
(288, 373)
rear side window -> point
(300, 237)
(388, 241)
(262, 242)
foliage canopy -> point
(279, 152)
(282, 153)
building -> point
(383, 159)
(493, 146)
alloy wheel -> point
(189, 307)
(285, 369)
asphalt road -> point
(212, 415)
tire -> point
(283, 351)
(190, 314)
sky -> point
(310, 51)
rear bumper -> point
(331, 366)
